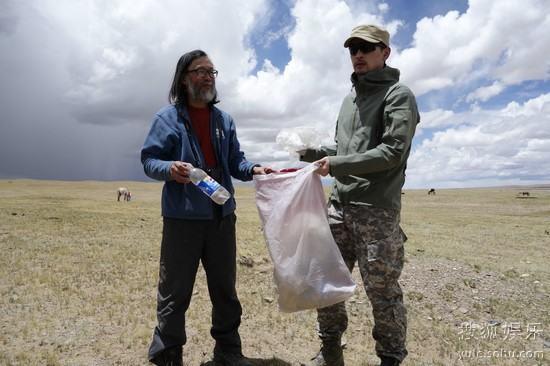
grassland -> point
(78, 273)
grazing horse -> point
(431, 191)
(524, 193)
(124, 193)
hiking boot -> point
(231, 359)
(329, 355)
(169, 357)
(389, 361)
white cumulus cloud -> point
(495, 40)
(508, 145)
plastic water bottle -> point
(209, 186)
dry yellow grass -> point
(78, 275)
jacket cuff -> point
(251, 171)
(166, 170)
(336, 167)
(310, 156)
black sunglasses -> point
(364, 47)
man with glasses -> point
(192, 132)
(373, 137)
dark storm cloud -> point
(8, 18)
(47, 132)
(81, 81)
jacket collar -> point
(372, 81)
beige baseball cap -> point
(369, 33)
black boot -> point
(230, 359)
(330, 355)
(389, 361)
(169, 357)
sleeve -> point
(156, 154)
(400, 118)
(311, 155)
(239, 167)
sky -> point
(82, 80)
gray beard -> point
(205, 96)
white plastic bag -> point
(309, 271)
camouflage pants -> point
(372, 237)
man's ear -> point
(387, 52)
(184, 80)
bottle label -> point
(208, 185)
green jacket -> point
(373, 137)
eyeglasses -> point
(202, 72)
(364, 47)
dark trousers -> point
(184, 244)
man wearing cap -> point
(374, 131)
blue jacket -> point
(169, 141)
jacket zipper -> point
(352, 132)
